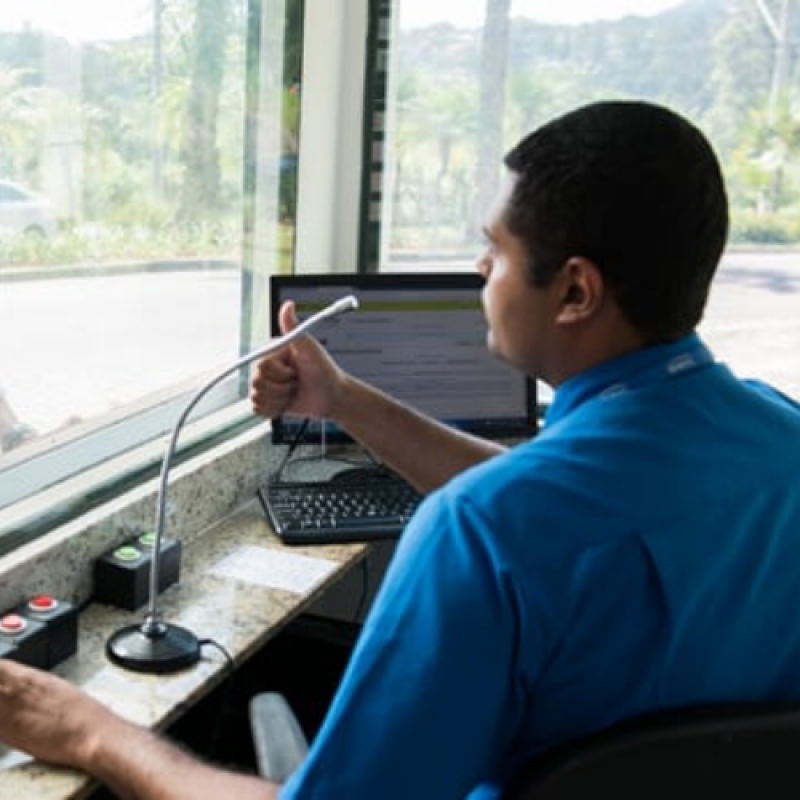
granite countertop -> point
(227, 593)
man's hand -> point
(301, 379)
(48, 717)
(56, 722)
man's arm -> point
(137, 764)
(304, 380)
(426, 452)
(55, 722)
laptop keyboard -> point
(339, 510)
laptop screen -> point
(420, 338)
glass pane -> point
(143, 199)
(122, 127)
(472, 76)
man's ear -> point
(582, 290)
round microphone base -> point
(153, 647)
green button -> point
(148, 539)
(127, 553)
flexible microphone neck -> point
(344, 304)
(155, 646)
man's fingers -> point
(272, 387)
(278, 368)
(271, 403)
(287, 317)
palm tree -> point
(492, 89)
(22, 111)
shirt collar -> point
(648, 365)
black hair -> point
(636, 189)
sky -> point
(469, 13)
(78, 19)
(109, 19)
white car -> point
(23, 211)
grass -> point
(95, 244)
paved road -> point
(80, 346)
(753, 317)
(77, 347)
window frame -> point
(65, 473)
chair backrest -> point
(731, 752)
(739, 751)
(279, 742)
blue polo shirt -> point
(643, 551)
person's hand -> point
(300, 379)
(47, 717)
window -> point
(468, 78)
(159, 159)
(148, 174)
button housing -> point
(30, 642)
(61, 621)
(125, 582)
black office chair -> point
(721, 752)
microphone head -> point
(348, 303)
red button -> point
(42, 602)
(12, 623)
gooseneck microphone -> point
(155, 645)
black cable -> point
(297, 440)
(230, 664)
(362, 600)
(298, 437)
(226, 691)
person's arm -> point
(138, 765)
(55, 722)
(302, 379)
(424, 451)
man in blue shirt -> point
(640, 553)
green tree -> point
(492, 93)
(769, 147)
(435, 155)
(740, 74)
(200, 194)
(22, 114)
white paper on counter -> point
(274, 569)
